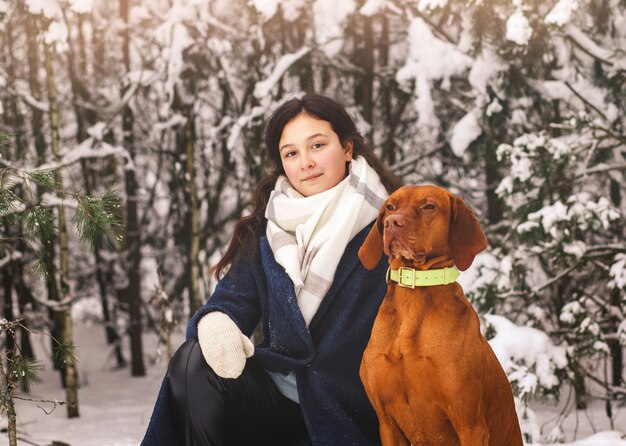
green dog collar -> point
(410, 278)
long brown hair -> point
(250, 228)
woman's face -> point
(312, 156)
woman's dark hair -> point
(250, 228)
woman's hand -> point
(224, 347)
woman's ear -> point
(347, 147)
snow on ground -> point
(115, 407)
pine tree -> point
(95, 221)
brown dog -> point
(429, 373)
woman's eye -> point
(318, 145)
(290, 154)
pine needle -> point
(8, 205)
(5, 142)
(27, 371)
(96, 218)
(39, 224)
(65, 353)
(39, 269)
(46, 178)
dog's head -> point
(419, 223)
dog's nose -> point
(395, 220)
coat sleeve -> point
(236, 295)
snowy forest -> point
(132, 139)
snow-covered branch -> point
(85, 151)
(437, 29)
(263, 88)
(555, 279)
(600, 168)
(61, 305)
(586, 101)
(42, 106)
(583, 42)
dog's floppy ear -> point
(466, 239)
(372, 248)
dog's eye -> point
(390, 207)
(429, 207)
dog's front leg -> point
(390, 435)
(471, 426)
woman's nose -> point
(306, 161)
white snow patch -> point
(329, 17)
(575, 248)
(48, 8)
(56, 35)
(429, 59)
(425, 5)
(485, 270)
(514, 345)
(465, 132)
(518, 29)
(493, 108)
(291, 8)
(81, 6)
(562, 12)
(372, 7)
(618, 272)
(267, 8)
(96, 131)
(550, 216)
(569, 312)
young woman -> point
(292, 264)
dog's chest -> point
(417, 322)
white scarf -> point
(308, 235)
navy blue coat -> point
(325, 356)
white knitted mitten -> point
(224, 347)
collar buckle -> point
(409, 275)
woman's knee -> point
(188, 369)
(179, 362)
(197, 398)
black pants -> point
(214, 411)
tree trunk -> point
(7, 404)
(363, 56)
(133, 234)
(24, 298)
(7, 308)
(492, 179)
(37, 125)
(616, 348)
(12, 119)
(13, 116)
(65, 320)
(16, 121)
(191, 236)
(86, 117)
(193, 219)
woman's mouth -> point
(312, 177)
